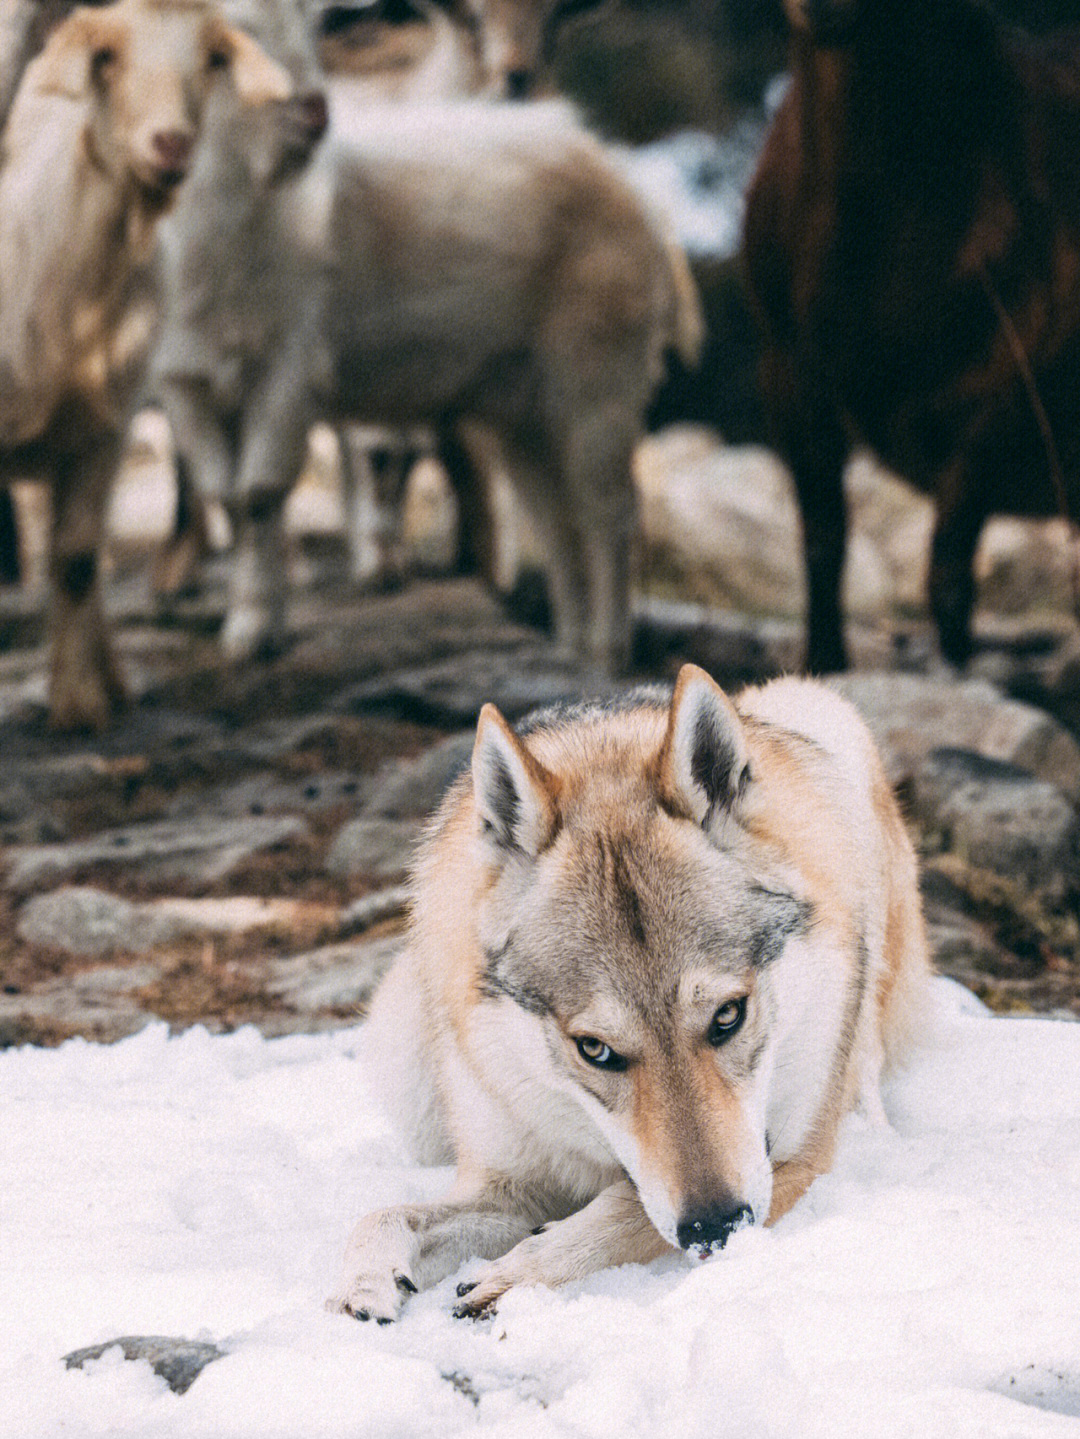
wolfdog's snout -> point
(710, 1229)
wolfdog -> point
(659, 947)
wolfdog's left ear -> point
(704, 760)
(515, 795)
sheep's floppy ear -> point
(704, 760)
(257, 78)
(515, 795)
(66, 64)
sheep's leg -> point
(812, 440)
(535, 475)
(272, 448)
(177, 561)
(476, 543)
(959, 521)
(600, 503)
(375, 469)
(85, 687)
(10, 566)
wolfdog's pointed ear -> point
(704, 760)
(515, 795)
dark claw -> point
(467, 1311)
(540, 1229)
(404, 1283)
(360, 1314)
(464, 1289)
(382, 1319)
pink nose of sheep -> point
(171, 152)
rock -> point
(409, 789)
(910, 715)
(337, 977)
(198, 849)
(266, 793)
(374, 908)
(453, 691)
(997, 816)
(724, 524)
(178, 1361)
(373, 846)
(83, 920)
(80, 919)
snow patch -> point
(204, 1187)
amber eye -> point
(600, 1055)
(726, 1021)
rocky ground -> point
(234, 850)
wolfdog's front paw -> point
(373, 1296)
(525, 1264)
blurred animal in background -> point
(913, 248)
(440, 264)
(659, 948)
(507, 44)
(99, 135)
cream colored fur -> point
(719, 900)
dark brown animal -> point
(913, 249)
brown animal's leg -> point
(812, 440)
(10, 567)
(957, 528)
(85, 687)
(176, 563)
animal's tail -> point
(688, 328)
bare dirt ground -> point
(233, 851)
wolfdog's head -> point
(635, 918)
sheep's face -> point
(278, 139)
(515, 39)
(146, 68)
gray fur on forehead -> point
(629, 928)
(564, 713)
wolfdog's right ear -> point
(515, 795)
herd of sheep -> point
(193, 212)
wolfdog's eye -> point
(727, 1019)
(600, 1055)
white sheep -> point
(99, 134)
(459, 263)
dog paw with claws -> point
(374, 1296)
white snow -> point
(204, 1186)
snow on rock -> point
(202, 1187)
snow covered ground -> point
(203, 1186)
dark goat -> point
(913, 248)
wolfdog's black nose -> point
(702, 1233)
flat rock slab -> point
(996, 816)
(910, 715)
(454, 691)
(80, 919)
(335, 978)
(203, 850)
(374, 846)
(411, 789)
(178, 1361)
